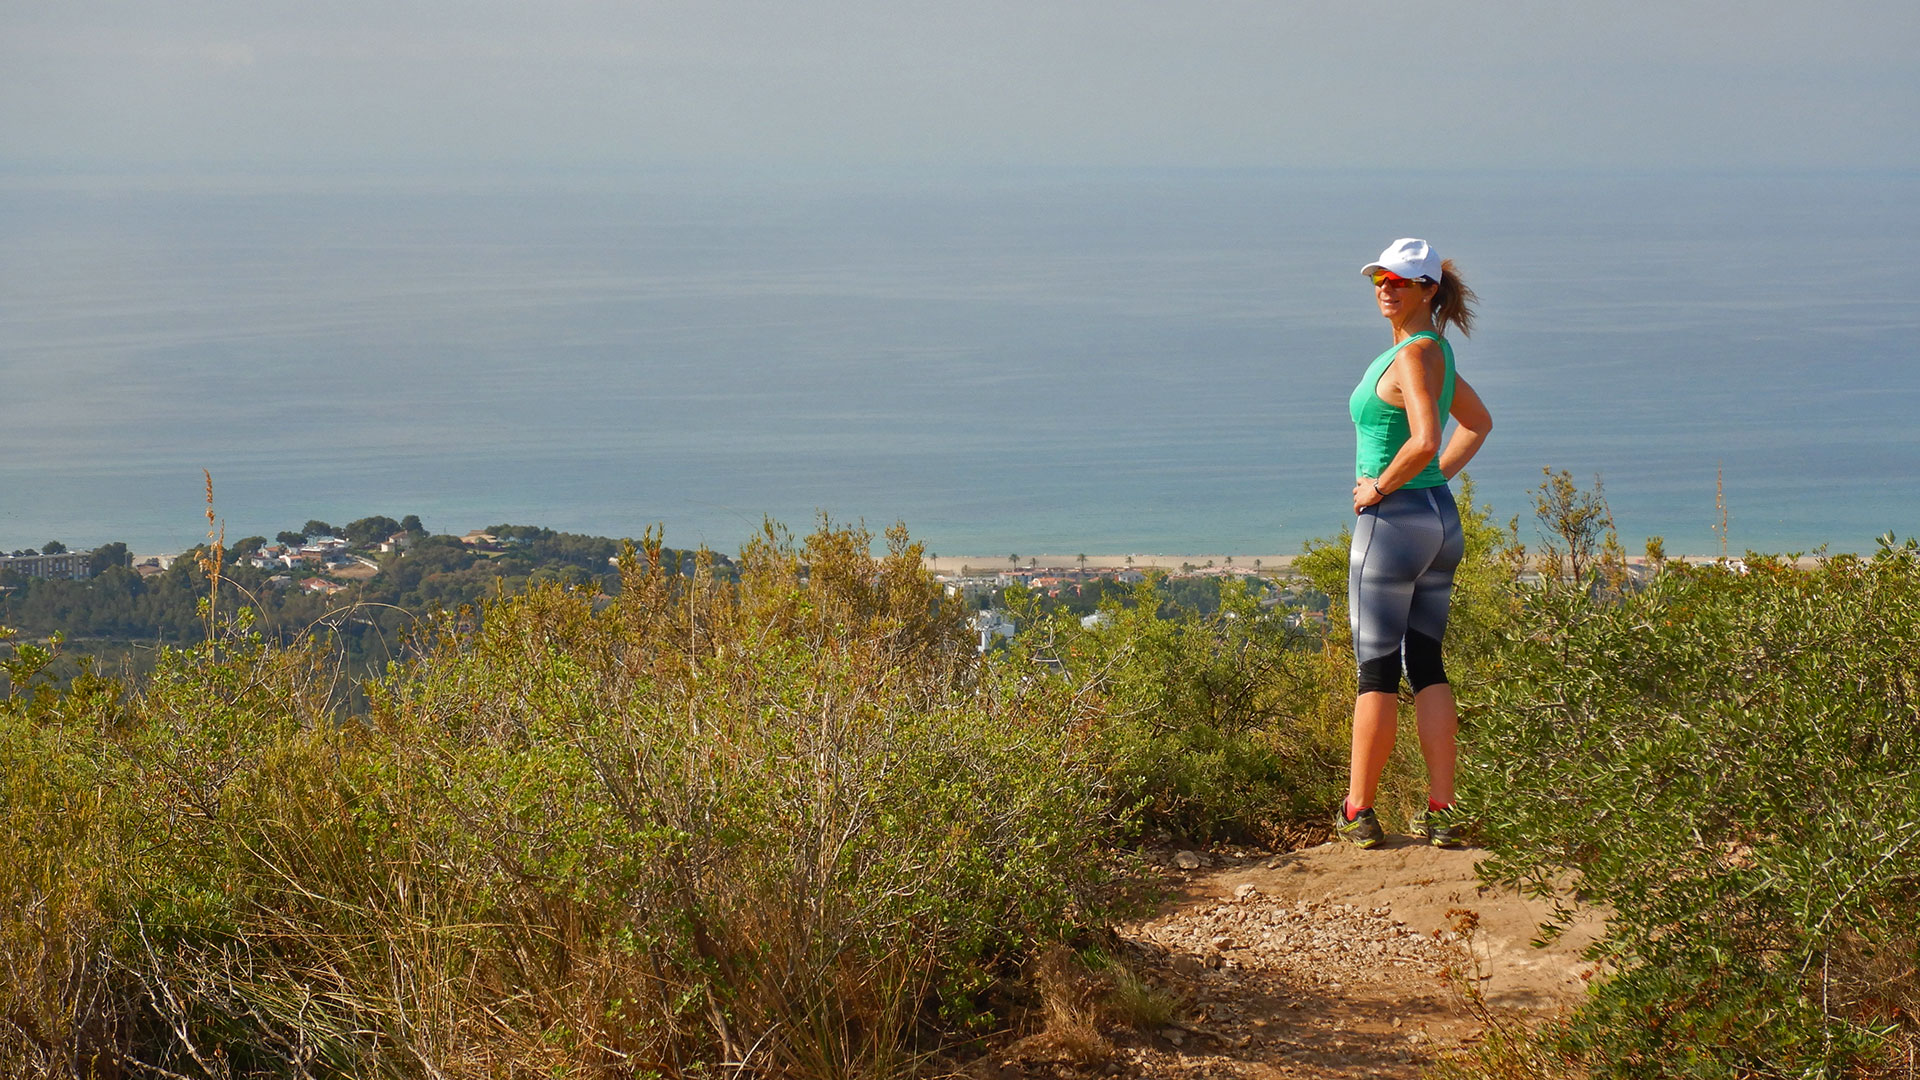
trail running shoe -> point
(1363, 831)
(1441, 828)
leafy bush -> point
(105, 805)
(1730, 763)
(1211, 724)
(791, 825)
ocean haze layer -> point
(1087, 361)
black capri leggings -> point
(1399, 582)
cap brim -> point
(1367, 270)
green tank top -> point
(1381, 429)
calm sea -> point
(1097, 362)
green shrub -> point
(1730, 764)
(791, 825)
(1208, 725)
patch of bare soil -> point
(1326, 962)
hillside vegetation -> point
(786, 822)
(118, 616)
(1729, 762)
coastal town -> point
(321, 563)
(1079, 585)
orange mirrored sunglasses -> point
(1392, 280)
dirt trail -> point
(1328, 962)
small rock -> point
(1246, 890)
(1173, 1035)
(1187, 860)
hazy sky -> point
(226, 85)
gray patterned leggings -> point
(1399, 581)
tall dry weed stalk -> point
(210, 560)
(1511, 1045)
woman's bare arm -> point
(1472, 423)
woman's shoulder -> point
(1424, 348)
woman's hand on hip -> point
(1365, 493)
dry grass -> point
(1505, 1052)
(1877, 984)
(1139, 1004)
(1069, 1009)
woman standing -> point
(1406, 539)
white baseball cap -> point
(1407, 258)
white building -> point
(66, 566)
(989, 625)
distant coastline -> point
(1246, 564)
(980, 565)
(986, 564)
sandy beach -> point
(992, 564)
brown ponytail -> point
(1453, 301)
